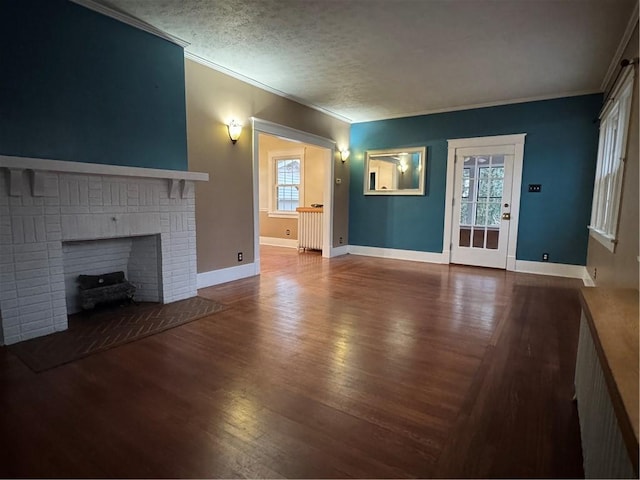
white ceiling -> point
(371, 59)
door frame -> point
(517, 140)
(288, 133)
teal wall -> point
(560, 153)
(79, 86)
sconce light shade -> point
(235, 128)
(344, 154)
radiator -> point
(309, 228)
(603, 449)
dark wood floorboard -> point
(349, 367)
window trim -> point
(297, 153)
(603, 227)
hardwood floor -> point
(349, 367)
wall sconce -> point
(235, 128)
(344, 154)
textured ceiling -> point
(372, 59)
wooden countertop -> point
(309, 209)
(613, 317)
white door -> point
(482, 205)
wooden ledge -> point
(309, 209)
(612, 315)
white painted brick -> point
(36, 307)
(45, 297)
(59, 302)
(11, 334)
(75, 210)
(25, 257)
(32, 265)
(17, 229)
(27, 274)
(13, 303)
(80, 207)
(37, 333)
(54, 236)
(36, 320)
(27, 211)
(59, 269)
(7, 277)
(52, 213)
(54, 249)
(32, 282)
(31, 247)
(7, 295)
(60, 327)
(33, 291)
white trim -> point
(270, 128)
(224, 275)
(605, 240)
(474, 106)
(290, 215)
(338, 251)
(517, 140)
(290, 154)
(610, 168)
(398, 254)
(553, 269)
(238, 76)
(279, 242)
(624, 41)
(131, 21)
(489, 141)
(587, 279)
(97, 169)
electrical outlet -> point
(287, 232)
(535, 187)
(340, 240)
(240, 256)
(545, 257)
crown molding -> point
(483, 105)
(624, 41)
(262, 86)
(130, 20)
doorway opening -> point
(291, 169)
(484, 177)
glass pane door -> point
(481, 201)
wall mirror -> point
(395, 172)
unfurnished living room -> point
(319, 239)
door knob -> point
(506, 216)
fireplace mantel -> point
(41, 164)
(45, 203)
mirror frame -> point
(391, 151)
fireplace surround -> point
(48, 205)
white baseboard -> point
(587, 279)
(553, 269)
(337, 251)
(224, 275)
(279, 242)
(397, 254)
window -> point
(286, 182)
(612, 146)
(482, 192)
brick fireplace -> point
(49, 208)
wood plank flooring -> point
(349, 367)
